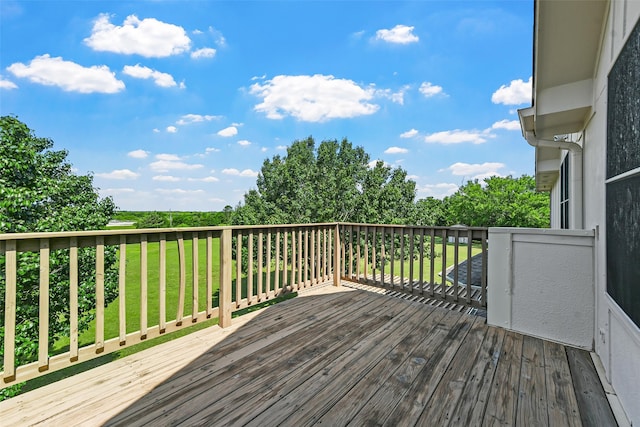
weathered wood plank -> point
(447, 394)
(329, 407)
(592, 402)
(501, 407)
(473, 400)
(532, 395)
(561, 398)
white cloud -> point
(147, 37)
(172, 129)
(316, 98)
(7, 84)
(68, 75)
(140, 72)
(413, 177)
(111, 191)
(396, 150)
(211, 150)
(281, 147)
(205, 179)
(397, 97)
(518, 92)
(119, 174)
(438, 191)
(244, 142)
(168, 157)
(227, 132)
(400, 34)
(477, 170)
(264, 149)
(506, 124)
(138, 154)
(166, 178)
(156, 130)
(179, 191)
(167, 165)
(197, 32)
(429, 90)
(205, 52)
(235, 172)
(187, 119)
(409, 134)
(458, 136)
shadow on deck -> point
(333, 356)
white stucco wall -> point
(541, 283)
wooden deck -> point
(334, 356)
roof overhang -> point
(567, 41)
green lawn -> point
(437, 262)
(132, 290)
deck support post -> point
(226, 240)
(336, 256)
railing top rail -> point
(136, 231)
(436, 227)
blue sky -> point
(176, 104)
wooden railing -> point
(431, 262)
(255, 263)
(162, 280)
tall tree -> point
(332, 183)
(39, 192)
(500, 202)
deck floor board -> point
(334, 356)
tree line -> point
(336, 183)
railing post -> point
(225, 278)
(336, 256)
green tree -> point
(430, 212)
(39, 192)
(155, 219)
(332, 183)
(500, 202)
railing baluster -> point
(421, 265)
(444, 263)
(285, 255)
(73, 298)
(194, 276)
(250, 268)
(432, 259)
(43, 321)
(122, 294)
(162, 285)
(183, 278)
(224, 317)
(260, 260)
(319, 256)
(306, 256)
(293, 260)
(373, 253)
(392, 268)
(358, 255)
(336, 256)
(299, 284)
(456, 262)
(312, 255)
(383, 255)
(366, 253)
(268, 278)
(411, 248)
(209, 274)
(276, 286)
(469, 271)
(238, 268)
(143, 285)
(350, 244)
(99, 342)
(402, 257)
(11, 268)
